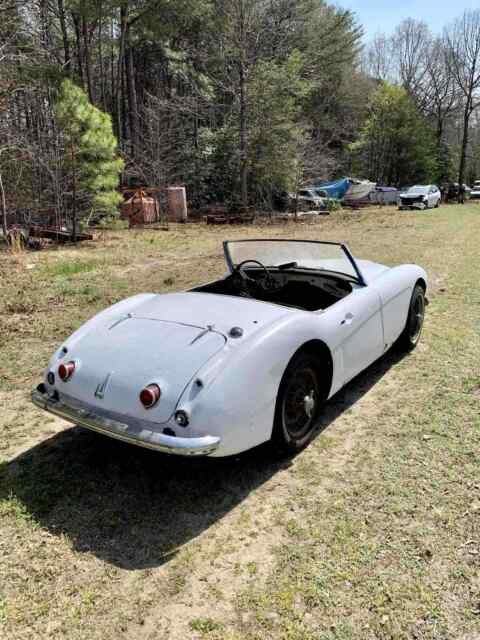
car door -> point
(353, 326)
(359, 329)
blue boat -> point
(336, 189)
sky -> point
(384, 15)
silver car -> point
(421, 197)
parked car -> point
(453, 191)
(475, 192)
(420, 197)
(308, 198)
(247, 358)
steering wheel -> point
(246, 283)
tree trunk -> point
(243, 113)
(463, 152)
(132, 96)
(78, 39)
(63, 27)
(3, 204)
(100, 57)
(88, 65)
(125, 128)
(113, 104)
(74, 194)
(439, 132)
(243, 140)
(121, 55)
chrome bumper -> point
(201, 446)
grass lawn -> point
(373, 532)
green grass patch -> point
(67, 269)
(205, 626)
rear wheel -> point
(410, 336)
(298, 403)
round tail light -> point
(150, 395)
(66, 371)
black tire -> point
(298, 403)
(410, 336)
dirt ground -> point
(372, 532)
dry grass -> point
(372, 532)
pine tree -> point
(91, 151)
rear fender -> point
(234, 395)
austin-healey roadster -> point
(248, 358)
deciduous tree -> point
(462, 41)
(396, 144)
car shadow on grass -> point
(133, 507)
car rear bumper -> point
(128, 432)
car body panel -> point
(145, 350)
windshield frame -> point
(359, 279)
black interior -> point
(296, 288)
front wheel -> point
(410, 336)
(298, 403)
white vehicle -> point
(309, 198)
(242, 360)
(475, 192)
(421, 197)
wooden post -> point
(74, 194)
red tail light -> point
(66, 371)
(150, 395)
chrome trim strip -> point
(200, 446)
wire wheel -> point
(299, 402)
(410, 336)
(416, 317)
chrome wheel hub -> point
(309, 403)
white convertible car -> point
(245, 359)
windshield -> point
(419, 190)
(325, 256)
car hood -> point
(412, 195)
(164, 340)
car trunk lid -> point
(117, 361)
